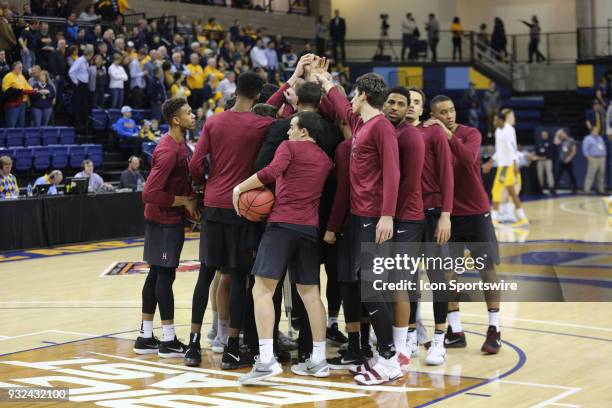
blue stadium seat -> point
(147, 149)
(14, 137)
(94, 153)
(23, 159)
(2, 138)
(59, 156)
(99, 120)
(67, 135)
(50, 135)
(77, 155)
(42, 157)
(32, 136)
(113, 116)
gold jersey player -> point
(471, 224)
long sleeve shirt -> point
(126, 127)
(95, 180)
(438, 182)
(117, 76)
(594, 146)
(505, 146)
(258, 57)
(79, 71)
(137, 75)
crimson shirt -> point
(340, 207)
(169, 177)
(438, 180)
(470, 197)
(233, 140)
(299, 169)
(374, 166)
(412, 155)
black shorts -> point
(409, 233)
(360, 230)
(476, 232)
(163, 244)
(226, 241)
(284, 249)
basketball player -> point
(290, 242)
(508, 175)
(470, 220)
(167, 195)
(374, 176)
(232, 140)
(409, 217)
(437, 186)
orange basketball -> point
(255, 205)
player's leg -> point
(232, 357)
(198, 308)
(170, 346)
(212, 296)
(223, 299)
(496, 192)
(332, 293)
(146, 343)
(455, 337)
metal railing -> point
(595, 42)
(554, 47)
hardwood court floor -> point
(58, 308)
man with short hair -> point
(337, 32)
(53, 179)
(79, 74)
(168, 199)
(594, 149)
(131, 177)
(138, 79)
(95, 180)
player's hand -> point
(329, 237)
(443, 229)
(486, 168)
(324, 79)
(433, 121)
(191, 206)
(236, 198)
(384, 229)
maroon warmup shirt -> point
(342, 197)
(470, 197)
(438, 180)
(233, 140)
(374, 166)
(169, 177)
(299, 170)
(412, 156)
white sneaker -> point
(412, 346)
(385, 370)
(218, 346)
(436, 355)
(403, 360)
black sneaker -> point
(493, 342)
(231, 361)
(172, 349)
(193, 356)
(334, 336)
(345, 360)
(454, 340)
(146, 345)
(283, 356)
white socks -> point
(454, 319)
(266, 350)
(223, 330)
(146, 329)
(493, 319)
(318, 351)
(520, 213)
(439, 337)
(168, 332)
(400, 335)
(331, 320)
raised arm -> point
(467, 151)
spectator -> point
(53, 179)
(227, 87)
(289, 61)
(483, 37)
(200, 119)
(567, 152)
(337, 31)
(117, 76)
(609, 122)
(491, 102)
(79, 74)
(177, 63)
(433, 35)
(72, 28)
(594, 149)
(8, 182)
(126, 126)
(99, 82)
(157, 93)
(16, 90)
(534, 39)
(596, 116)
(137, 79)
(88, 15)
(320, 34)
(7, 36)
(131, 177)
(235, 30)
(42, 102)
(34, 74)
(211, 69)
(258, 55)
(213, 29)
(183, 28)
(146, 132)
(408, 27)
(178, 88)
(29, 40)
(5, 68)
(95, 181)
(545, 153)
(472, 103)
(602, 91)
(457, 32)
(499, 40)
(195, 81)
(272, 64)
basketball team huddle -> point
(344, 174)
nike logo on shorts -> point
(372, 313)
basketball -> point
(255, 205)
